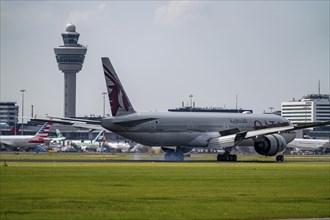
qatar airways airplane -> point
(179, 132)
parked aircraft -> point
(179, 132)
(315, 145)
(88, 144)
(25, 141)
(57, 141)
(119, 146)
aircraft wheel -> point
(174, 156)
(227, 157)
(280, 158)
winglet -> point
(119, 102)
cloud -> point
(76, 16)
(175, 12)
(101, 6)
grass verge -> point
(152, 190)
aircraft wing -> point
(232, 137)
(75, 122)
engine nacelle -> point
(270, 145)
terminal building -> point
(192, 108)
(9, 113)
(209, 109)
(311, 108)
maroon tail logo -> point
(117, 95)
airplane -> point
(121, 146)
(300, 145)
(179, 132)
(57, 141)
(88, 144)
(25, 141)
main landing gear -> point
(173, 155)
(279, 158)
(227, 157)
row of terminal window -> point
(70, 58)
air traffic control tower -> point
(70, 58)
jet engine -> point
(270, 145)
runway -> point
(46, 157)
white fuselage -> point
(22, 141)
(309, 144)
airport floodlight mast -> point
(104, 93)
(70, 58)
(22, 91)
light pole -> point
(22, 91)
(104, 93)
(191, 96)
(271, 109)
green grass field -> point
(155, 190)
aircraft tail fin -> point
(105, 141)
(119, 102)
(15, 129)
(99, 138)
(59, 134)
(40, 136)
(44, 131)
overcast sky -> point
(163, 51)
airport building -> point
(311, 108)
(70, 58)
(209, 109)
(9, 113)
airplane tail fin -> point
(39, 137)
(105, 141)
(44, 130)
(15, 129)
(59, 134)
(99, 138)
(119, 102)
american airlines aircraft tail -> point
(120, 104)
(40, 136)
